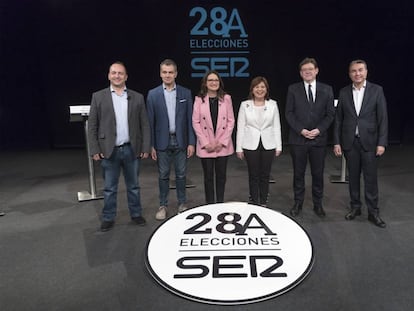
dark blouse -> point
(214, 111)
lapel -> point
(129, 106)
(365, 98)
(207, 112)
(303, 94)
(161, 99)
(109, 103)
(220, 112)
(317, 92)
(266, 112)
(177, 99)
(251, 112)
(350, 100)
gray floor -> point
(52, 256)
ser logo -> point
(213, 253)
(222, 34)
(228, 223)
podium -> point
(341, 178)
(80, 113)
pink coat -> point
(203, 127)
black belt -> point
(123, 145)
(172, 134)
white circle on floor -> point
(229, 253)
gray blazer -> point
(102, 124)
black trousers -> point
(259, 165)
(300, 156)
(365, 162)
(214, 170)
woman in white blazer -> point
(213, 123)
(258, 138)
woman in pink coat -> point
(213, 123)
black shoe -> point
(319, 211)
(296, 209)
(353, 213)
(107, 225)
(376, 220)
(140, 221)
(2, 213)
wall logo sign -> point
(218, 41)
(229, 254)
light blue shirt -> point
(120, 103)
(171, 102)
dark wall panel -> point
(56, 53)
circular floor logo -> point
(229, 253)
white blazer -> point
(249, 131)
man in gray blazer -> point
(309, 112)
(119, 137)
(361, 132)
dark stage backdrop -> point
(55, 53)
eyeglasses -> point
(213, 80)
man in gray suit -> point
(361, 132)
(119, 137)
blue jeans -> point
(125, 159)
(173, 154)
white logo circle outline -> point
(230, 207)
